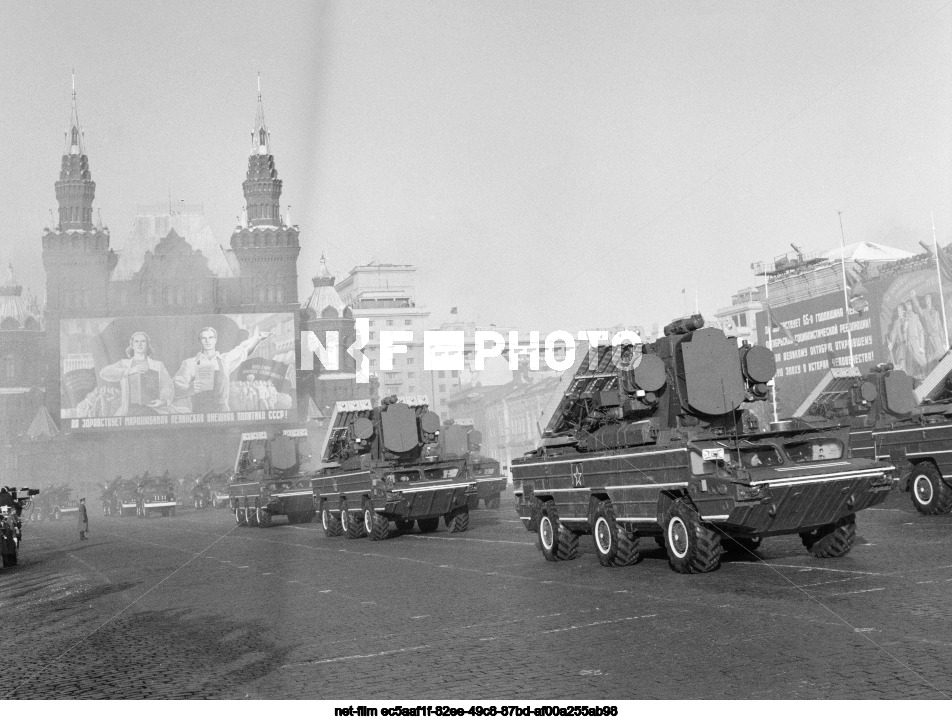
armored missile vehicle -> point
(891, 421)
(56, 502)
(459, 439)
(271, 478)
(653, 440)
(383, 464)
(156, 493)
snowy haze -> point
(544, 164)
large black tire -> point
(931, 495)
(831, 541)
(457, 520)
(376, 525)
(331, 525)
(691, 546)
(351, 523)
(614, 546)
(263, 517)
(556, 542)
(238, 517)
(428, 525)
(404, 525)
(492, 502)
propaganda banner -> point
(176, 370)
(809, 337)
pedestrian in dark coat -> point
(83, 520)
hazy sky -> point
(544, 164)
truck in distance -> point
(271, 478)
(460, 439)
(382, 465)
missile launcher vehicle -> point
(459, 439)
(271, 478)
(889, 420)
(156, 493)
(652, 440)
(384, 464)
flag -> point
(777, 325)
(454, 310)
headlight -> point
(746, 493)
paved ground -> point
(195, 607)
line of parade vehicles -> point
(654, 441)
(645, 442)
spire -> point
(75, 144)
(75, 188)
(323, 277)
(260, 137)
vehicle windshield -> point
(760, 456)
(814, 449)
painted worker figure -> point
(145, 386)
(202, 382)
(82, 518)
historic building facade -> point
(259, 276)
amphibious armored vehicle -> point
(383, 464)
(653, 440)
(271, 478)
(156, 493)
(891, 421)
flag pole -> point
(846, 300)
(938, 270)
(773, 394)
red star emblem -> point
(577, 475)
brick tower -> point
(76, 253)
(265, 247)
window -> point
(442, 374)
(408, 322)
(815, 449)
(442, 389)
(371, 324)
(389, 322)
(373, 363)
(411, 360)
(372, 334)
(455, 374)
(410, 374)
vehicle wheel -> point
(833, 540)
(457, 520)
(403, 525)
(263, 517)
(238, 517)
(472, 502)
(492, 502)
(331, 525)
(692, 547)
(931, 495)
(613, 544)
(351, 524)
(428, 525)
(56, 514)
(376, 525)
(557, 542)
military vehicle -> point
(383, 464)
(459, 439)
(156, 493)
(272, 478)
(201, 490)
(653, 440)
(54, 503)
(891, 421)
(121, 497)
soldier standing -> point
(83, 520)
